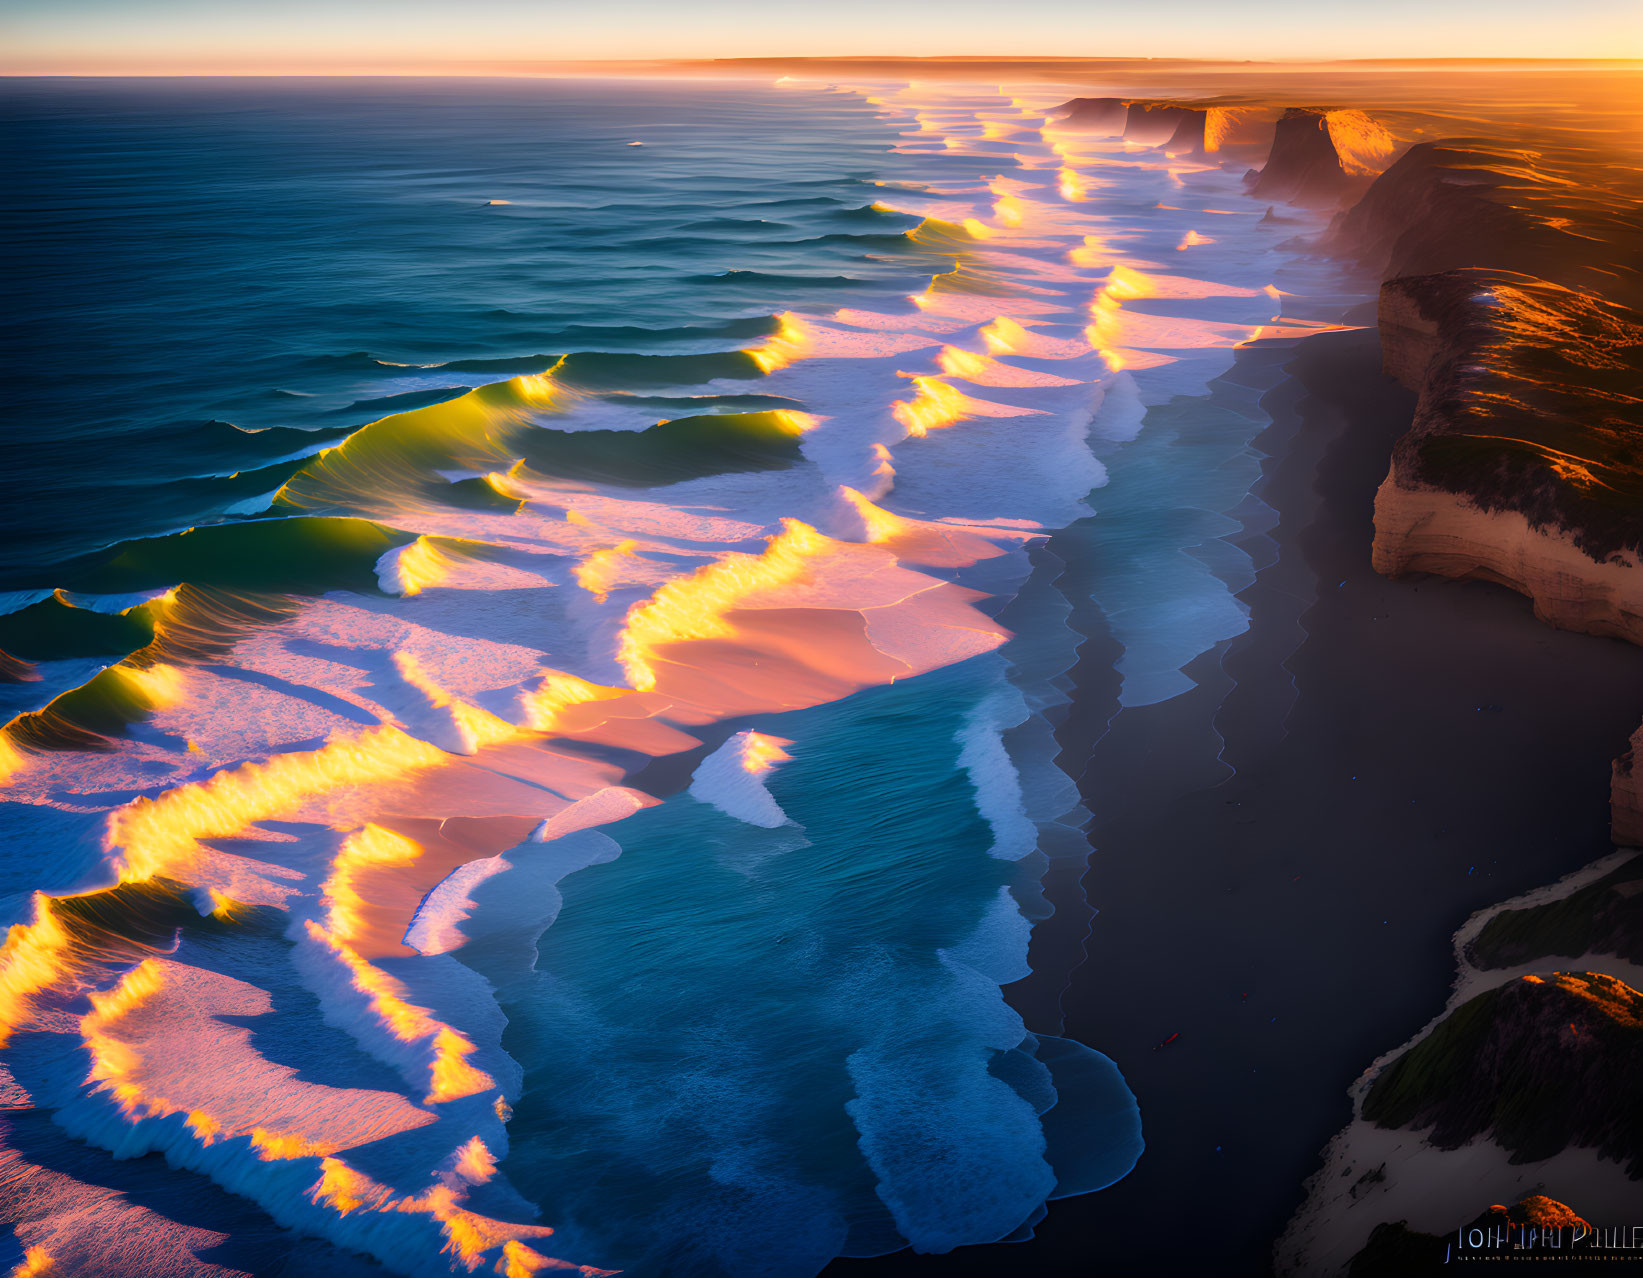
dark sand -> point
(1291, 919)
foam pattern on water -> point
(577, 794)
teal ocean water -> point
(531, 665)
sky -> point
(184, 36)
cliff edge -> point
(1461, 202)
(1303, 166)
(1524, 462)
(1626, 797)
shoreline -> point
(1303, 831)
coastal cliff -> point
(1193, 129)
(1509, 306)
(1522, 464)
(1626, 795)
(1424, 529)
(1095, 115)
(1303, 166)
(1158, 123)
(1174, 126)
(1462, 202)
(1521, 1086)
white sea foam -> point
(950, 1090)
(436, 927)
(732, 778)
(993, 773)
(998, 947)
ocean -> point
(533, 668)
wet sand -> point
(1283, 853)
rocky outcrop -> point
(1421, 529)
(1456, 203)
(1095, 115)
(1524, 463)
(1602, 917)
(1194, 129)
(1303, 166)
(1155, 123)
(1537, 1064)
(1175, 126)
(1517, 1088)
(1626, 799)
(1191, 134)
(1408, 333)
(1510, 307)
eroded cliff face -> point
(1427, 530)
(1524, 462)
(1195, 129)
(1148, 121)
(1191, 136)
(1096, 115)
(1626, 795)
(1303, 166)
(1456, 203)
(1155, 123)
(1511, 306)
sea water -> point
(514, 756)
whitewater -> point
(531, 662)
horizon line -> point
(538, 67)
